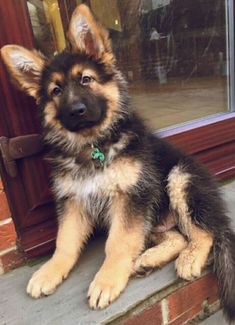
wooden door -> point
(28, 193)
(211, 140)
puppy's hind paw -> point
(142, 267)
(189, 264)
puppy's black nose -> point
(78, 109)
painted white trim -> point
(1, 268)
(7, 250)
(165, 312)
(5, 221)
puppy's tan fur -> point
(73, 232)
(124, 244)
(168, 246)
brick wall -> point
(10, 257)
(198, 298)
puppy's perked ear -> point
(86, 35)
(24, 66)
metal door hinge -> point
(20, 147)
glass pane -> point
(47, 25)
(173, 52)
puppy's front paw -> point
(105, 288)
(45, 280)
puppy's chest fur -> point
(96, 188)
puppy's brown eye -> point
(57, 91)
(86, 80)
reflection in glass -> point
(173, 52)
(47, 25)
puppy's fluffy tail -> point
(224, 264)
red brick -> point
(4, 208)
(7, 235)
(150, 316)
(12, 260)
(192, 295)
(189, 314)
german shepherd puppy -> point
(108, 168)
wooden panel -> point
(211, 141)
(39, 239)
(28, 194)
(202, 135)
(220, 160)
(212, 146)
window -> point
(174, 53)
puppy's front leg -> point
(125, 242)
(72, 233)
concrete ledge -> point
(69, 306)
(216, 319)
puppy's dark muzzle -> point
(78, 116)
(77, 110)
